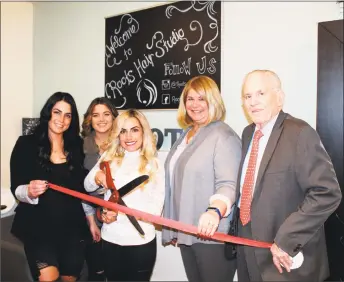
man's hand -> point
(280, 258)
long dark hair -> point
(71, 137)
(87, 125)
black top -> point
(57, 215)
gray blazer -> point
(296, 191)
(209, 165)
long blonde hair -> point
(115, 152)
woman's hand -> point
(36, 188)
(100, 178)
(109, 216)
(208, 223)
(95, 232)
(174, 242)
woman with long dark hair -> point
(51, 224)
(96, 130)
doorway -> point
(330, 128)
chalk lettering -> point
(175, 99)
(142, 65)
(127, 53)
(177, 84)
(172, 69)
(117, 40)
(201, 68)
(113, 88)
(163, 45)
(212, 69)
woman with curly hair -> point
(96, 129)
(128, 256)
(51, 224)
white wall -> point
(16, 77)
(69, 52)
(282, 36)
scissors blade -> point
(131, 218)
(132, 184)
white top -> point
(148, 198)
(180, 149)
(263, 141)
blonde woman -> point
(201, 174)
(127, 255)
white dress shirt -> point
(263, 141)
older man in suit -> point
(287, 188)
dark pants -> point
(129, 263)
(247, 264)
(94, 260)
(207, 263)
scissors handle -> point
(111, 185)
(115, 197)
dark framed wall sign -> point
(150, 54)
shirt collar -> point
(132, 154)
(267, 129)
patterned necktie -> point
(247, 188)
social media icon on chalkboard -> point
(165, 99)
(165, 84)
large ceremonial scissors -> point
(116, 195)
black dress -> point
(56, 227)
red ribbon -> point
(186, 228)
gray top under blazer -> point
(208, 165)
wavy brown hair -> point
(87, 123)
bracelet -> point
(215, 209)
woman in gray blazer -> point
(201, 172)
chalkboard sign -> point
(151, 54)
(28, 125)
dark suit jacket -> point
(296, 191)
(30, 220)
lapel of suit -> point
(246, 139)
(270, 148)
